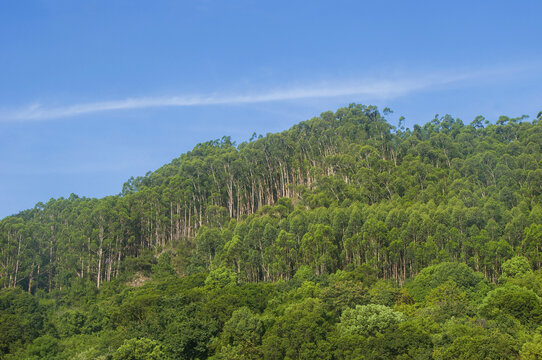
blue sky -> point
(93, 92)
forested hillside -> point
(344, 237)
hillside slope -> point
(341, 238)
(339, 190)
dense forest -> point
(344, 237)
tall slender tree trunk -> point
(51, 242)
(30, 276)
(17, 261)
(100, 254)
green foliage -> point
(298, 333)
(521, 303)
(515, 267)
(447, 300)
(43, 348)
(341, 295)
(164, 266)
(240, 336)
(492, 346)
(139, 349)
(408, 340)
(342, 189)
(304, 273)
(532, 350)
(21, 319)
(433, 276)
(369, 320)
(188, 331)
(342, 237)
(532, 243)
(71, 322)
(383, 293)
(220, 278)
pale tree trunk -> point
(17, 261)
(100, 254)
(30, 279)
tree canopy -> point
(344, 237)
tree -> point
(486, 346)
(532, 244)
(433, 276)
(515, 267)
(319, 250)
(139, 349)
(241, 336)
(521, 303)
(299, 332)
(447, 300)
(407, 340)
(45, 347)
(368, 320)
(532, 350)
(21, 319)
(220, 278)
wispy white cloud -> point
(369, 89)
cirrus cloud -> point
(381, 89)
